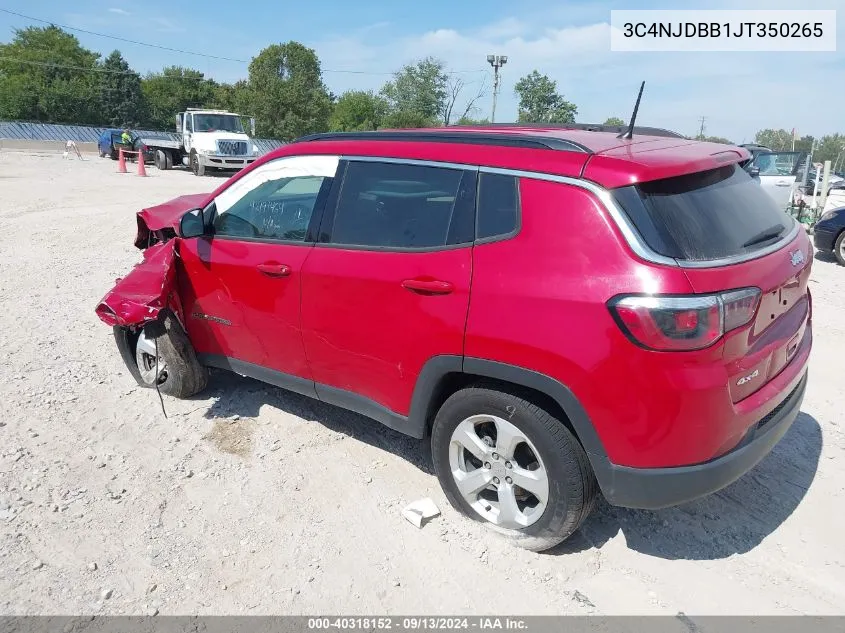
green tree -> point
(234, 97)
(405, 120)
(358, 110)
(829, 147)
(614, 120)
(418, 93)
(121, 97)
(287, 93)
(778, 140)
(714, 139)
(172, 90)
(46, 75)
(804, 144)
(465, 120)
(539, 101)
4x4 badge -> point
(797, 257)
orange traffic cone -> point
(121, 161)
(142, 169)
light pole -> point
(496, 61)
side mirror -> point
(754, 172)
(191, 224)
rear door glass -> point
(707, 215)
(398, 206)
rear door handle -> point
(428, 286)
(783, 183)
(272, 269)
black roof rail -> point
(590, 127)
(446, 136)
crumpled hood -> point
(148, 289)
(166, 216)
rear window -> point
(706, 215)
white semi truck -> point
(206, 139)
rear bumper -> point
(653, 488)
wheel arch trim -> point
(436, 370)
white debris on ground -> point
(252, 500)
(420, 511)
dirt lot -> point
(249, 499)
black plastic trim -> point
(445, 136)
(428, 382)
(366, 407)
(655, 488)
(264, 374)
(331, 395)
(549, 386)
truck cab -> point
(216, 139)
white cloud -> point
(119, 11)
(739, 93)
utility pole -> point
(701, 129)
(496, 61)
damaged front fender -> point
(148, 289)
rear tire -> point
(180, 374)
(160, 160)
(839, 249)
(541, 448)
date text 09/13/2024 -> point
(417, 623)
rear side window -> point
(707, 215)
(390, 205)
(498, 206)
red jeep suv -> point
(561, 311)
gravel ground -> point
(249, 499)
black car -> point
(829, 233)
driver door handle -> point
(428, 286)
(272, 269)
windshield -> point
(218, 123)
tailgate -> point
(758, 352)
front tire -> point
(196, 166)
(178, 372)
(508, 463)
(839, 249)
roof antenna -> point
(629, 133)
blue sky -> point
(738, 93)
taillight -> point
(683, 323)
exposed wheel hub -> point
(145, 358)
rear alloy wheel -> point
(502, 479)
(165, 358)
(504, 461)
(839, 249)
